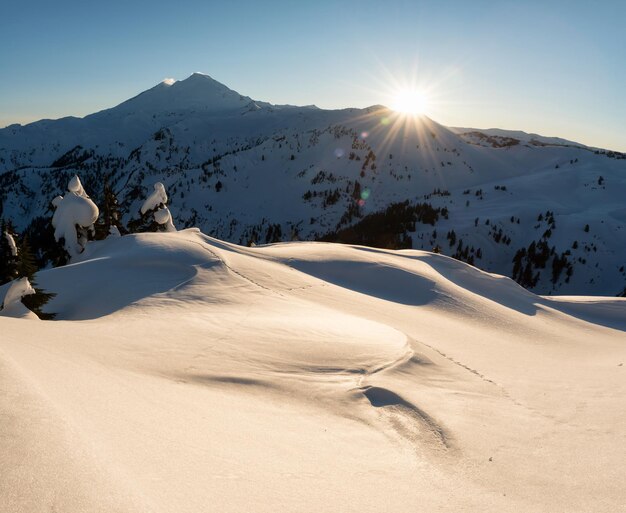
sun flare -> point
(410, 101)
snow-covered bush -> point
(74, 217)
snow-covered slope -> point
(190, 374)
(248, 171)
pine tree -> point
(26, 268)
(8, 261)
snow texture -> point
(73, 211)
(307, 377)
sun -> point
(410, 101)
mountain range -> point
(546, 211)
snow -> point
(12, 305)
(307, 377)
(11, 242)
(72, 210)
(76, 187)
(163, 216)
(17, 290)
(157, 198)
(157, 201)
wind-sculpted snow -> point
(113, 274)
(306, 377)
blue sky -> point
(553, 67)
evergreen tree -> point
(46, 248)
(144, 223)
(26, 268)
(109, 213)
(8, 261)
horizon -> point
(548, 70)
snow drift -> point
(307, 377)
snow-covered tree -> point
(8, 253)
(155, 216)
(74, 218)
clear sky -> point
(557, 68)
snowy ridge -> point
(307, 376)
(520, 136)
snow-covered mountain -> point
(307, 377)
(546, 211)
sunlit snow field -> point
(185, 374)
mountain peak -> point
(198, 92)
(203, 83)
(197, 75)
